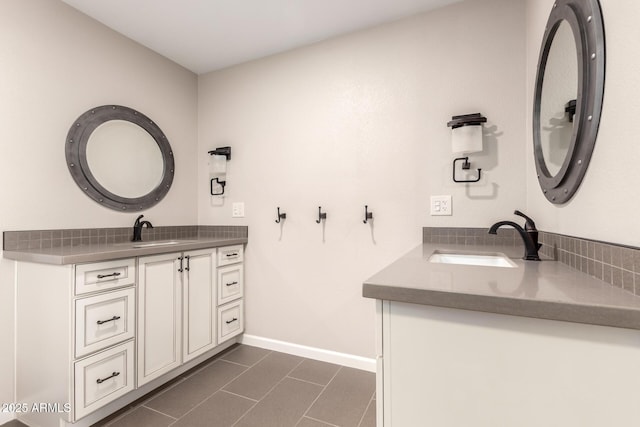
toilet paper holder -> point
(220, 183)
(465, 166)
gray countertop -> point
(93, 253)
(545, 289)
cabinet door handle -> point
(180, 270)
(233, 254)
(114, 318)
(102, 276)
(231, 284)
(231, 321)
(187, 258)
(100, 381)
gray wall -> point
(56, 63)
(361, 119)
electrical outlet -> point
(440, 205)
(237, 210)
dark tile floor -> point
(249, 386)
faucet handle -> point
(529, 225)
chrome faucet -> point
(137, 229)
(529, 235)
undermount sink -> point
(487, 259)
(160, 243)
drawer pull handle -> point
(101, 380)
(231, 284)
(102, 276)
(233, 254)
(114, 318)
(231, 321)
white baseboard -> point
(358, 362)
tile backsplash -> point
(470, 236)
(617, 265)
(44, 239)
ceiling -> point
(207, 35)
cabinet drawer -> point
(99, 276)
(230, 255)
(104, 320)
(102, 378)
(230, 283)
(230, 321)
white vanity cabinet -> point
(75, 335)
(451, 367)
(93, 337)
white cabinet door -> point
(450, 367)
(159, 315)
(199, 302)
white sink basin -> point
(487, 259)
(160, 243)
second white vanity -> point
(536, 344)
(100, 326)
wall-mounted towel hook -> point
(321, 215)
(367, 215)
(281, 216)
(221, 183)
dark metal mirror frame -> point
(585, 20)
(76, 154)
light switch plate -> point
(237, 210)
(441, 205)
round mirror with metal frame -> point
(584, 18)
(153, 146)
